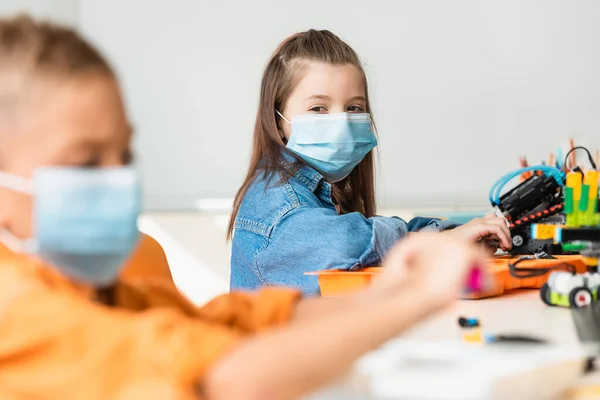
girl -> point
(76, 324)
(308, 200)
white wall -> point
(460, 88)
(65, 11)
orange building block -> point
(337, 282)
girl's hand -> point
(433, 267)
(489, 227)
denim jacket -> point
(284, 229)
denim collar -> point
(307, 175)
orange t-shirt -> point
(56, 342)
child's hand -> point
(489, 227)
(433, 267)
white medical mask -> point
(333, 144)
(85, 220)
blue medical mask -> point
(333, 144)
(85, 220)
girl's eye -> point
(318, 109)
(355, 109)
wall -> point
(65, 11)
(461, 88)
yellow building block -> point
(543, 231)
(574, 181)
(590, 261)
(591, 179)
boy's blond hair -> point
(32, 50)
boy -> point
(78, 321)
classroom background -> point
(461, 89)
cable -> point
(496, 189)
(590, 158)
(524, 272)
(502, 181)
(499, 185)
(543, 168)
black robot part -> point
(580, 234)
(537, 199)
(523, 244)
(536, 192)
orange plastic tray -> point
(338, 282)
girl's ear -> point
(282, 136)
(278, 123)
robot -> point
(568, 289)
(538, 199)
(580, 234)
(548, 197)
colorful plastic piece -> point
(580, 234)
(570, 290)
(581, 199)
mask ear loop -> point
(15, 183)
(284, 118)
(16, 245)
(19, 185)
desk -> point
(519, 312)
(199, 256)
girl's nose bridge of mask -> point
(332, 117)
(343, 132)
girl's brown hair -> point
(283, 72)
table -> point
(521, 311)
(517, 312)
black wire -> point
(590, 158)
(524, 272)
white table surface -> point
(519, 312)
